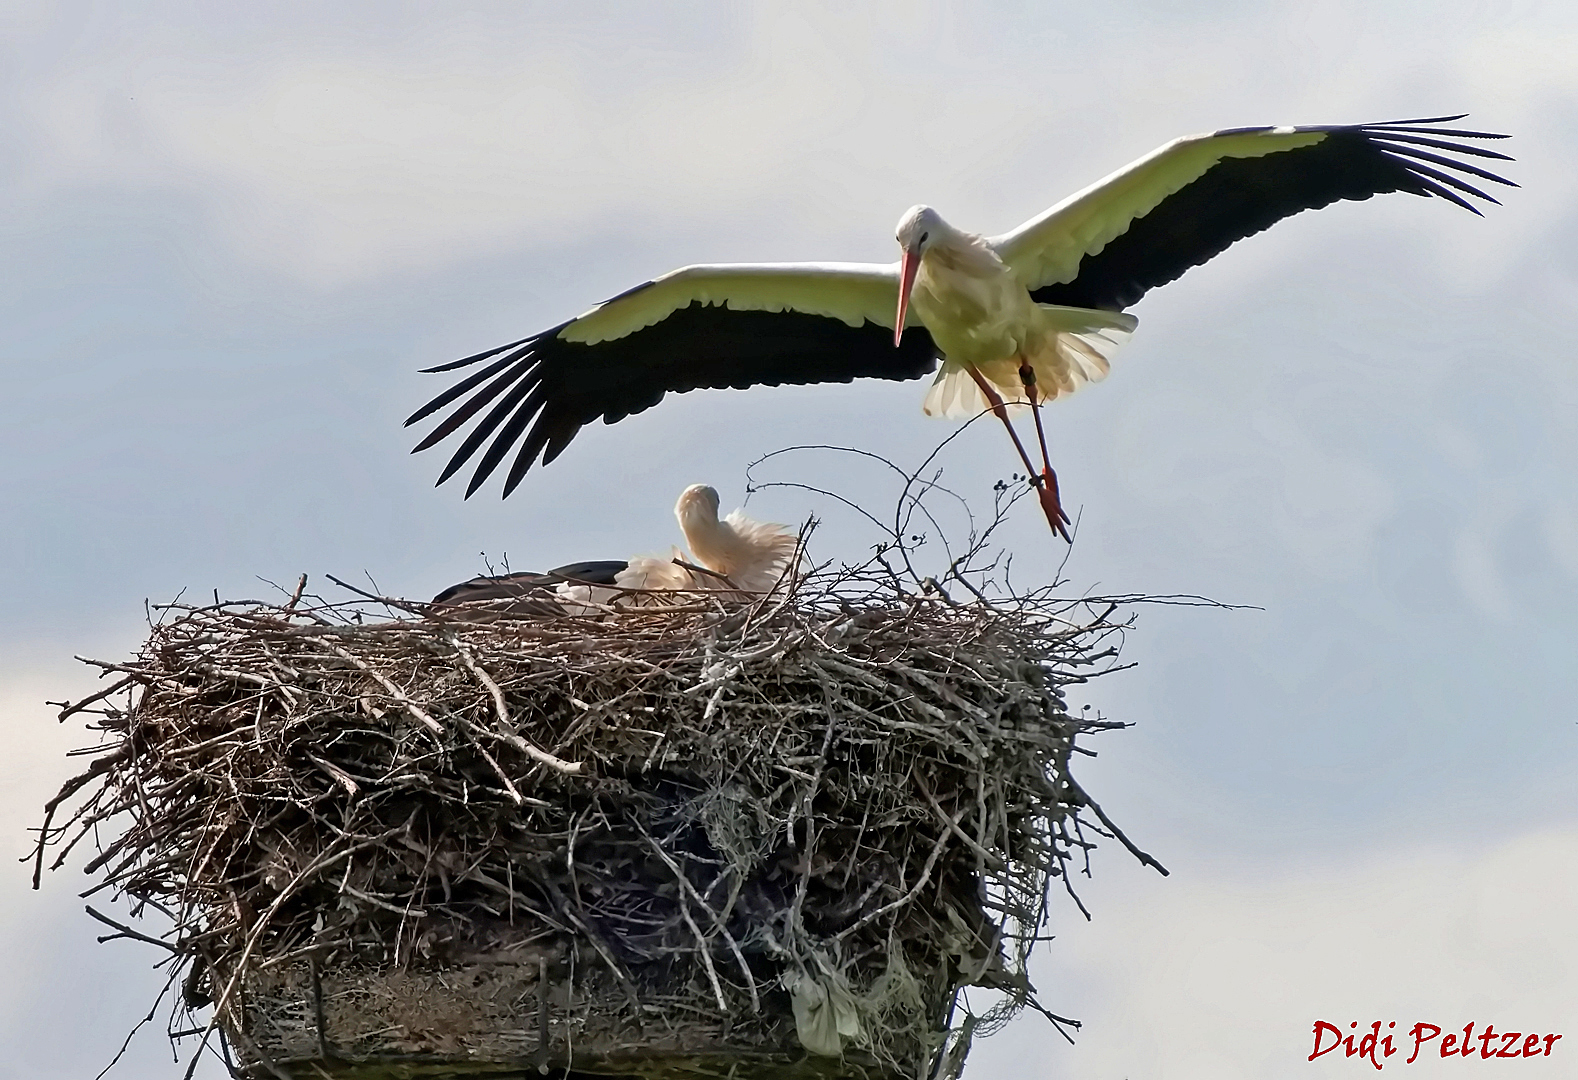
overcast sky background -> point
(232, 234)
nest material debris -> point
(724, 839)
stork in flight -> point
(733, 555)
(1023, 317)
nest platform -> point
(760, 840)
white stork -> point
(1019, 318)
(734, 555)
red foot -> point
(1046, 488)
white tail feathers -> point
(1076, 347)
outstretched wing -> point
(1144, 225)
(701, 326)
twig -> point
(394, 691)
(1086, 800)
(72, 709)
(507, 728)
(909, 897)
(295, 596)
(128, 932)
(717, 922)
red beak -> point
(909, 265)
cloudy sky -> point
(233, 233)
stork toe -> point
(1052, 505)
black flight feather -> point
(555, 387)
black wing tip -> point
(1429, 125)
(594, 571)
(513, 482)
(525, 458)
(1423, 179)
(477, 358)
(1420, 120)
(437, 435)
(445, 476)
(1451, 163)
(450, 470)
(1392, 139)
(428, 410)
(1430, 187)
(1423, 125)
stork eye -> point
(923, 237)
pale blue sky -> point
(232, 236)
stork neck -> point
(712, 543)
(961, 252)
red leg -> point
(1047, 491)
(1001, 412)
(1027, 374)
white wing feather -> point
(852, 292)
(773, 550)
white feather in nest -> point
(743, 555)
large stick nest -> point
(642, 840)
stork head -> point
(919, 226)
(697, 506)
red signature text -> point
(1374, 1047)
